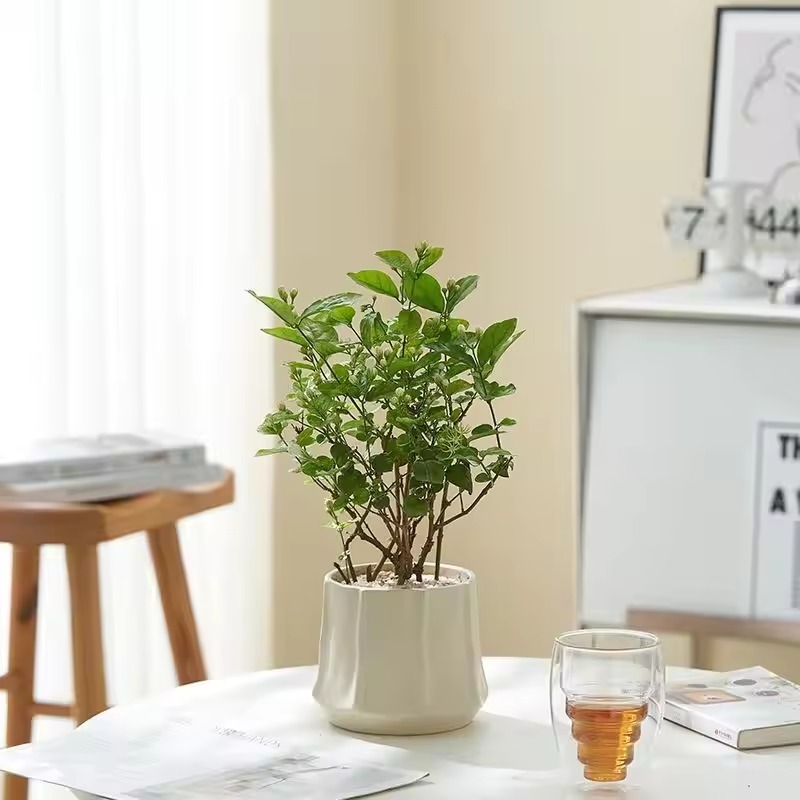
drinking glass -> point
(606, 703)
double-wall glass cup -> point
(606, 703)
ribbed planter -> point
(401, 660)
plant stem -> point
(379, 567)
(494, 422)
(347, 560)
(440, 529)
(465, 410)
(366, 535)
(439, 537)
(470, 506)
(339, 570)
(420, 565)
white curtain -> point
(134, 214)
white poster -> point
(756, 111)
(776, 590)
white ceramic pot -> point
(400, 660)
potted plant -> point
(382, 417)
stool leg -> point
(166, 553)
(87, 643)
(21, 657)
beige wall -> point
(335, 137)
(537, 141)
(544, 137)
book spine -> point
(703, 725)
(106, 487)
(101, 465)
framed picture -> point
(754, 130)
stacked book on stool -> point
(93, 469)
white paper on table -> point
(147, 756)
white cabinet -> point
(673, 386)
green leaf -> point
(382, 462)
(493, 338)
(424, 291)
(409, 321)
(326, 349)
(455, 350)
(340, 502)
(429, 472)
(319, 331)
(300, 364)
(483, 478)
(340, 453)
(491, 390)
(496, 390)
(396, 259)
(432, 255)
(305, 437)
(429, 359)
(462, 288)
(401, 365)
(283, 310)
(269, 451)
(507, 422)
(367, 330)
(381, 501)
(275, 422)
(495, 451)
(460, 475)
(289, 335)
(377, 281)
(327, 303)
(414, 507)
(380, 329)
(480, 431)
(351, 481)
(324, 463)
(341, 372)
(505, 346)
(501, 467)
(372, 330)
(380, 391)
(431, 327)
(361, 496)
(458, 386)
(343, 315)
(469, 453)
(457, 367)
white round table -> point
(509, 750)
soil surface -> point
(388, 580)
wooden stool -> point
(80, 528)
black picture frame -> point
(719, 15)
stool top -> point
(91, 523)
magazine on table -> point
(82, 456)
(135, 754)
(111, 485)
(746, 709)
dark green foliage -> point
(377, 414)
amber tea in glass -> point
(606, 701)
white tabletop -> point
(509, 750)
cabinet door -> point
(669, 487)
